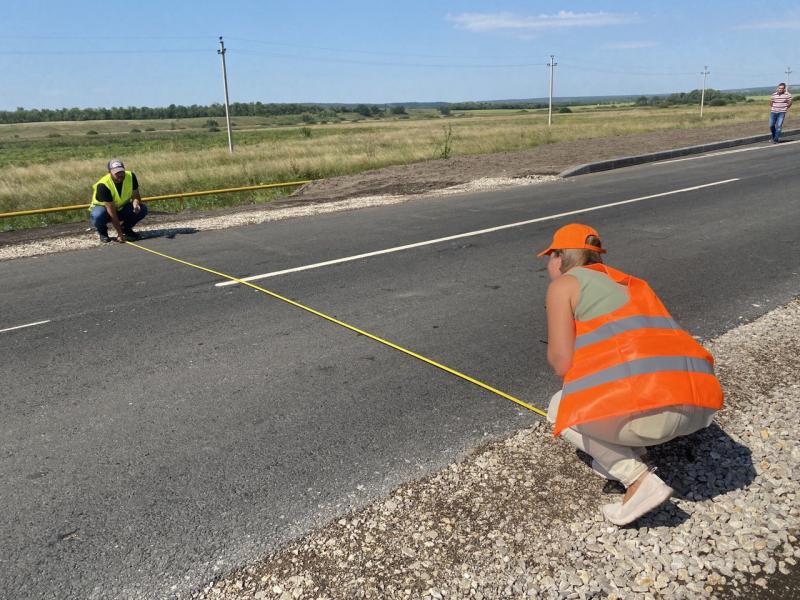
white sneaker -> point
(650, 494)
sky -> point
(154, 53)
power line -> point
(593, 69)
(742, 73)
(370, 52)
(387, 64)
(311, 58)
(110, 51)
(107, 37)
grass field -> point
(55, 164)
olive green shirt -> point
(599, 294)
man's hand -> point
(137, 205)
(121, 238)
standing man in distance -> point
(779, 103)
(115, 198)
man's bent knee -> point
(141, 214)
(99, 216)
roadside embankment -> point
(546, 159)
(397, 183)
(37, 171)
(31, 244)
(520, 517)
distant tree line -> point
(179, 111)
(495, 105)
(312, 112)
(713, 98)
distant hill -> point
(754, 91)
(522, 101)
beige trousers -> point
(617, 444)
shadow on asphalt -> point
(168, 233)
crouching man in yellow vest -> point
(115, 198)
(633, 377)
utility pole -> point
(552, 64)
(705, 75)
(788, 72)
(221, 52)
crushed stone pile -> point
(520, 517)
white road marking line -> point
(710, 154)
(471, 233)
(23, 326)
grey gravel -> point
(520, 517)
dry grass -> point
(338, 149)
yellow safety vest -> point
(120, 200)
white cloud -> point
(506, 21)
(631, 45)
(789, 23)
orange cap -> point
(572, 237)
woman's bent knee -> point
(552, 408)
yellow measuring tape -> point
(347, 326)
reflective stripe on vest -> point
(627, 324)
(642, 366)
(634, 359)
(120, 199)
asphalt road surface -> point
(157, 429)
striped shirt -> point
(780, 102)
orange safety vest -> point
(634, 359)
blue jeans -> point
(127, 218)
(775, 124)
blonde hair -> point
(578, 257)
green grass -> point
(36, 150)
(37, 170)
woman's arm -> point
(562, 296)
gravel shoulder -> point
(78, 237)
(519, 517)
(400, 183)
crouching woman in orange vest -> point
(632, 377)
